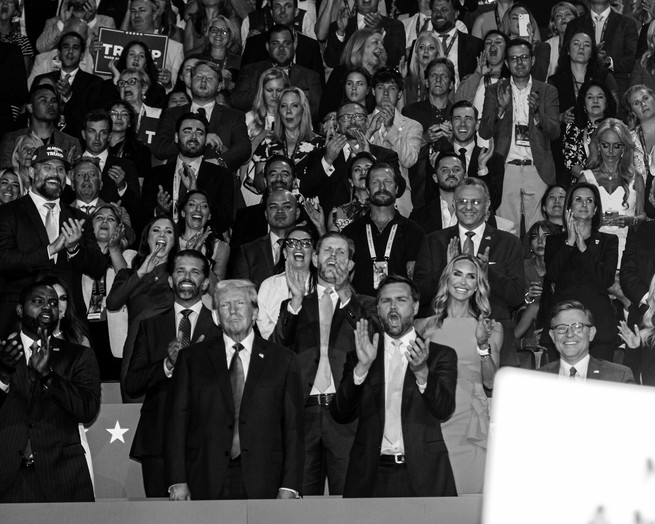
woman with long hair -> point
(223, 48)
(364, 49)
(137, 55)
(357, 88)
(296, 259)
(198, 15)
(21, 159)
(540, 50)
(491, 20)
(123, 140)
(643, 72)
(552, 205)
(144, 288)
(426, 49)
(260, 120)
(293, 135)
(462, 321)
(595, 103)
(357, 168)
(560, 16)
(611, 168)
(10, 186)
(580, 265)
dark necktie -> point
(425, 25)
(573, 372)
(237, 379)
(51, 227)
(88, 209)
(184, 328)
(469, 248)
(201, 111)
(462, 156)
(444, 42)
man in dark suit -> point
(47, 387)
(12, 93)
(326, 175)
(319, 328)
(572, 330)
(43, 108)
(307, 52)
(501, 252)
(235, 431)
(79, 90)
(522, 134)
(152, 365)
(256, 260)
(281, 45)
(166, 186)
(402, 388)
(227, 137)
(637, 270)
(365, 15)
(616, 39)
(461, 49)
(38, 233)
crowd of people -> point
(309, 235)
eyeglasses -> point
(519, 58)
(606, 146)
(224, 31)
(576, 327)
(295, 243)
(475, 202)
(122, 115)
(349, 117)
(128, 82)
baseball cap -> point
(44, 153)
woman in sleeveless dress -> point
(461, 321)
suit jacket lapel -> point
(35, 217)
(218, 358)
(204, 325)
(487, 239)
(268, 253)
(257, 363)
(311, 310)
(377, 378)
(472, 168)
(593, 370)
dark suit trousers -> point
(26, 489)
(233, 489)
(154, 479)
(327, 448)
(393, 481)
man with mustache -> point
(152, 365)
(387, 243)
(256, 260)
(319, 328)
(166, 186)
(402, 387)
(47, 387)
(41, 234)
(326, 175)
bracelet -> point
(527, 298)
(484, 358)
(484, 349)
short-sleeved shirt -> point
(405, 248)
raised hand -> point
(189, 178)
(72, 231)
(40, 359)
(484, 329)
(333, 146)
(631, 338)
(483, 67)
(366, 348)
(179, 492)
(117, 174)
(453, 249)
(485, 154)
(417, 358)
(503, 94)
(164, 201)
(484, 259)
(11, 351)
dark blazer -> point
(50, 420)
(334, 94)
(301, 334)
(246, 87)
(505, 268)
(68, 144)
(598, 370)
(425, 450)
(229, 124)
(620, 43)
(254, 261)
(540, 136)
(145, 376)
(308, 53)
(200, 415)
(394, 41)
(215, 180)
(638, 267)
(335, 190)
(12, 92)
(24, 254)
(86, 89)
(468, 49)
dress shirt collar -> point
(527, 89)
(196, 308)
(27, 345)
(600, 16)
(39, 201)
(479, 231)
(320, 289)
(450, 34)
(79, 203)
(72, 74)
(581, 368)
(405, 340)
(208, 107)
(102, 156)
(245, 354)
(469, 149)
(194, 164)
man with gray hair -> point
(234, 427)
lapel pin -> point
(596, 371)
(261, 355)
(487, 238)
(597, 241)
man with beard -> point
(38, 233)
(47, 388)
(365, 14)
(460, 48)
(256, 260)
(167, 185)
(281, 47)
(227, 136)
(501, 253)
(79, 90)
(387, 243)
(521, 114)
(152, 365)
(402, 387)
(319, 328)
(43, 108)
(387, 127)
(326, 175)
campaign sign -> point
(113, 41)
(147, 129)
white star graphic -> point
(117, 433)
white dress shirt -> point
(209, 109)
(245, 354)
(477, 238)
(581, 368)
(521, 115)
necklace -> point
(609, 177)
